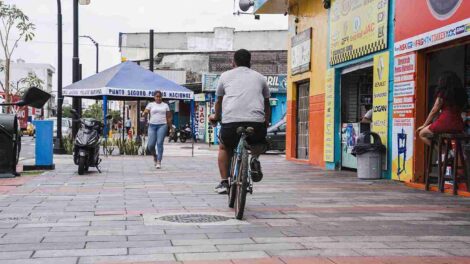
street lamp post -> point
(59, 145)
(97, 51)
(77, 102)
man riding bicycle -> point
(242, 100)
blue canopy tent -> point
(128, 81)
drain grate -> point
(193, 218)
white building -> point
(19, 69)
(135, 46)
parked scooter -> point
(185, 133)
(86, 147)
(174, 134)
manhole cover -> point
(193, 218)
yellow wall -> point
(310, 14)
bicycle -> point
(240, 181)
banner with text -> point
(380, 97)
(358, 28)
(329, 147)
(403, 117)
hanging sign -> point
(329, 145)
(301, 51)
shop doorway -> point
(356, 101)
(302, 120)
(454, 59)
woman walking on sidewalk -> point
(159, 122)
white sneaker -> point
(158, 165)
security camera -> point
(326, 4)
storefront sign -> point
(201, 116)
(329, 147)
(425, 23)
(126, 93)
(358, 28)
(403, 117)
(200, 97)
(210, 81)
(301, 51)
(277, 83)
(380, 94)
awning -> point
(126, 81)
(271, 6)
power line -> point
(84, 44)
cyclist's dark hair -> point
(158, 92)
(451, 90)
(242, 57)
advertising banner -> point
(358, 28)
(329, 147)
(403, 117)
(277, 83)
(380, 97)
(424, 23)
(201, 116)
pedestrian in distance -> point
(159, 122)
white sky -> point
(104, 19)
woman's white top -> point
(157, 112)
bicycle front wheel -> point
(242, 186)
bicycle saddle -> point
(248, 130)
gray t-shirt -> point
(244, 91)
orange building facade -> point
(307, 66)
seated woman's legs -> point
(426, 134)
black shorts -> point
(229, 138)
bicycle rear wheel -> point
(232, 187)
(242, 186)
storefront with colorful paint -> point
(307, 56)
(439, 42)
(358, 79)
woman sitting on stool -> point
(451, 101)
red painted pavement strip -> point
(319, 260)
(361, 209)
(400, 260)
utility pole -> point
(76, 102)
(59, 145)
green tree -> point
(15, 27)
(66, 111)
(32, 80)
(94, 111)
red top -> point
(449, 120)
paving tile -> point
(174, 249)
(15, 254)
(306, 260)
(137, 259)
(42, 261)
(128, 244)
(79, 253)
(220, 255)
(233, 241)
(402, 252)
